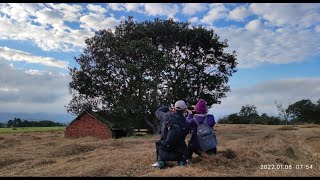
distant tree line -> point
(17, 122)
(300, 112)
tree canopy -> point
(131, 71)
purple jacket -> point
(200, 118)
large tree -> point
(129, 72)
(304, 111)
(248, 110)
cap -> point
(180, 105)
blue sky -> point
(277, 47)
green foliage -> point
(249, 115)
(248, 110)
(10, 123)
(301, 112)
(304, 111)
(17, 122)
(139, 66)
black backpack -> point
(176, 129)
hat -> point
(201, 107)
(180, 105)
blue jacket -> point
(200, 118)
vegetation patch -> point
(11, 142)
(72, 149)
(8, 161)
(76, 159)
(313, 137)
(229, 154)
(31, 129)
(274, 152)
(268, 136)
(289, 152)
(310, 126)
(45, 162)
(287, 128)
(142, 136)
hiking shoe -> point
(183, 163)
(159, 164)
(162, 164)
(156, 164)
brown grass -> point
(242, 149)
(287, 127)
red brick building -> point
(89, 124)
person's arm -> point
(211, 121)
(190, 120)
(162, 113)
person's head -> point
(180, 106)
(201, 107)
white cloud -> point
(239, 13)
(254, 48)
(258, 42)
(194, 20)
(263, 95)
(50, 34)
(135, 7)
(70, 12)
(253, 25)
(16, 55)
(128, 7)
(161, 9)
(116, 6)
(49, 17)
(216, 11)
(97, 22)
(9, 89)
(150, 9)
(193, 8)
(39, 91)
(301, 15)
(96, 8)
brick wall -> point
(87, 125)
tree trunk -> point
(150, 123)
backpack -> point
(175, 130)
(206, 136)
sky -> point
(277, 47)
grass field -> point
(243, 150)
(31, 129)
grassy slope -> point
(242, 149)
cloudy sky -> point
(277, 46)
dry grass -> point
(288, 127)
(242, 149)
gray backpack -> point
(206, 136)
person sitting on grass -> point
(200, 116)
(172, 145)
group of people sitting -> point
(176, 123)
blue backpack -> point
(206, 136)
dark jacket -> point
(200, 118)
(163, 115)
